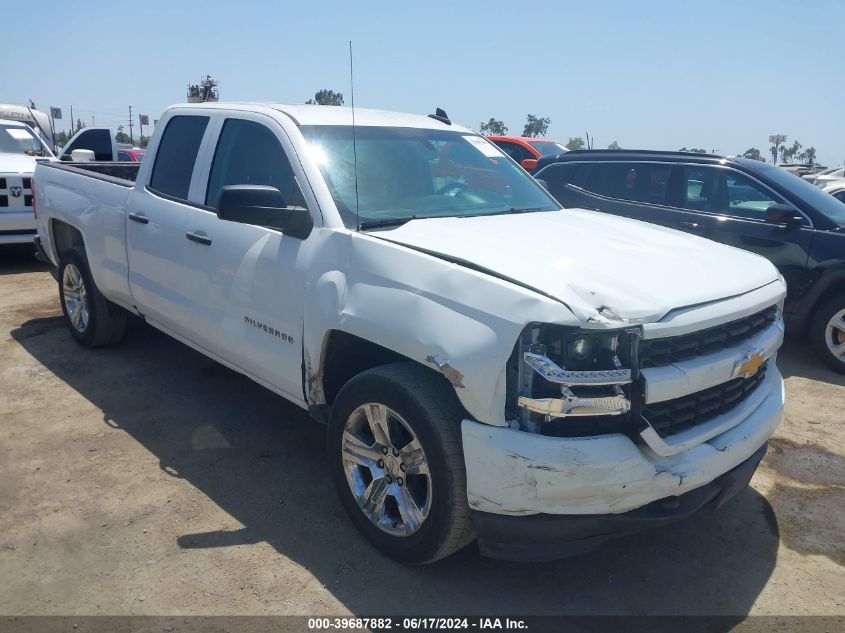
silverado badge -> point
(749, 365)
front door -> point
(246, 291)
(729, 207)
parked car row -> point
(489, 365)
(527, 151)
(737, 201)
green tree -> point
(536, 126)
(694, 150)
(753, 152)
(62, 137)
(792, 153)
(121, 136)
(327, 97)
(575, 143)
(811, 155)
(784, 152)
(143, 141)
(493, 127)
(79, 124)
(614, 145)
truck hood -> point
(606, 269)
(16, 163)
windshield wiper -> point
(375, 224)
(516, 210)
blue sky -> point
(717, 75)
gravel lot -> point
(146, 479)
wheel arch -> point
(345, 355)
(829, 285)
(64, 236)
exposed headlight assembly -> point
(573, 373)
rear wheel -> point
(827, 333)
(395, 453)
(92, 319)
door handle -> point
(693, 226)
(199, 238)
(140, 218)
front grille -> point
(673, 416)
(665, 351)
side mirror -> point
(261, 205)
(529, 164)
(783, 214)
(82, 155)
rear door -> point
(155, 224)
(246, 290)
(635, 189)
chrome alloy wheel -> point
(76, 297)
(834, 335)
(386, 469)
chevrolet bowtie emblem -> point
(749, 365)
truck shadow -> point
(262, 460)
(796, 358)
(17, 258)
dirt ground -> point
(146, 479)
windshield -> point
(548, 148)
(16, 139)
(820, 200)
(407, 173)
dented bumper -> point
(541, 537)
(515, 473)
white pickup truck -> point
(488, 364)
(20, 149)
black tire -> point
(106, 322)
(429, 406)
(819, 335)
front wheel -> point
(395, 453)
(827, 333)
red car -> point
(526, 150)
(133, 155)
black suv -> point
(737, 201)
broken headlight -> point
(560, 372)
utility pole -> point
(72, 121)
(131, 137)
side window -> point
(176, 155)
(124, 157)
(637, 182)
(514, 150)
(840, 195)
(97, 140)
(561, 174)
(248, 153)
(726, 192)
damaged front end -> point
(570, 382)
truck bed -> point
(122, 173)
